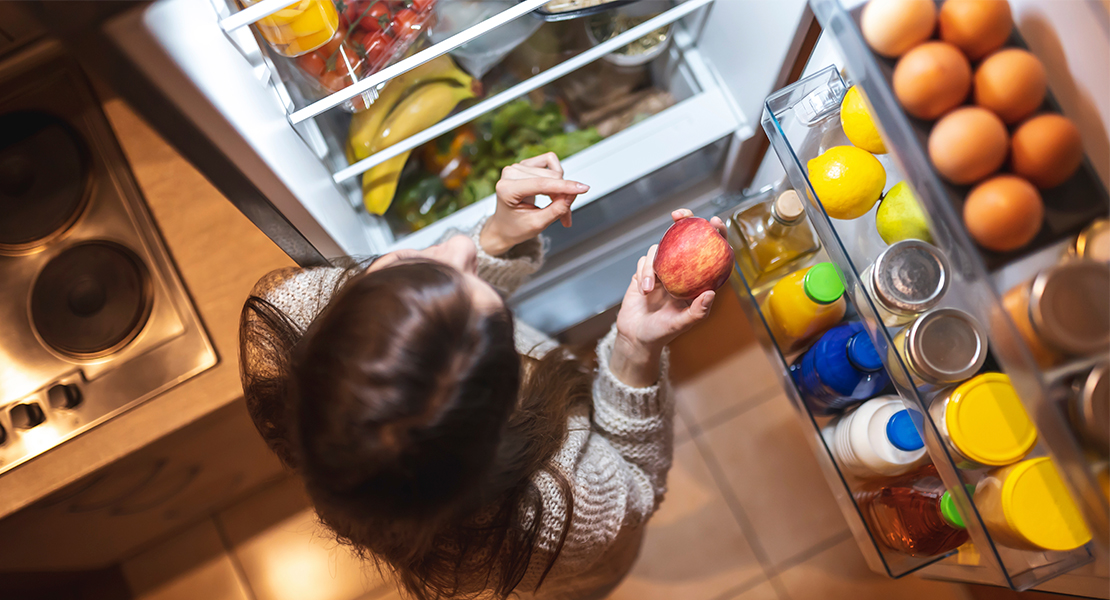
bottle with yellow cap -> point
(1026, 506)
(983, 422)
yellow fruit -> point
(848, 181)
(858, 124)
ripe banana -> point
(366, 124)
(424, 107)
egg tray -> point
(1069, 207)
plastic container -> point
(805, 303)
(298, 28)
(1089, 408)
(984, 422)
(943, 346)
(1063, 311)
(1026, 506)
(914, 514)
(907, 279)
(840, 370)
(770, 237)
(880, 438)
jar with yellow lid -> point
(1027, 506)
(299, 28)
(983, 422)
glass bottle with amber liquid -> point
(771, 238)
(914, 514)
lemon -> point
(858, 124)
(900, 216)
(848, 181)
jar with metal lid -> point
(1063, 311)
(1089, 408)
(983, 422)
(943, 346)
(1027, 506)
(907, 279)
(1093, 243)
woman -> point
(468, 454)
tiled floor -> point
(748, 515)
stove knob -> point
(64, 396)
(26, 416)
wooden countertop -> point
(220, 255)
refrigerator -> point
(750, 84)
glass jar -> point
(1027, 506)
(298, 28)
(1089, 408)
(907, 279)
(943, 346)
(983, 422)
(1093, 243)
(771, 237)
(1063, 311)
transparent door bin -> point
(802, 121)
(1068, 209)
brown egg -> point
(978, 27)
(968, 144)
(892, 27)
(932, 79)
(1012, 83)
(1003, 213)
(1047, 150)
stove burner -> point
(91, 299)
(44, 179)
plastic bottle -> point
(914, 514)
(841, 369)
(879, 438)
(805, 303)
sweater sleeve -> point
(506, 272)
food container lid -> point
(1038, 507)
(1070, 306)
(902, 430)
(862, 353)
(1094, 242)
(986, 421)
(946, 345)
(788, 207)
(948, 508)
(824, 283)
(910, 275)
(1093, 406)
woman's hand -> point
(650, 318)
(517, 218)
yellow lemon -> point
(848, 181)
(858, 124)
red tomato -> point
(353, 10)
(312, 63)
(335, 80)
(377, 18)
(423, 6)
(378, 47)
(333, 44)
(406, 24)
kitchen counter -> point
(220, 255)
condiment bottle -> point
(1089, 408)
(942, 346)
(983, 422)
(805, 303)
(879, 438)
(841, 369)
(1063, 311)
(914, 514)
(907, 279)
(1093, 243)
(1026, 506)
(771, 237)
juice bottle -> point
(770, 237)
(805, 303)
(914, 514)
(841, 369)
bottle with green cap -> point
(804, 304)
(915, 514)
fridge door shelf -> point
(802, 121)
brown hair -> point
(416, 426)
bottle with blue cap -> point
(842, 369)
(880, 438)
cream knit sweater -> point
(617, 462)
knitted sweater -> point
(616, 462)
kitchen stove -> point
(96, 319)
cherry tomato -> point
(423, 6)
(353, 10)
(378, 47)
(406, 24)
(333, 44)
(334, 80)
(376, 18)
(312, 63)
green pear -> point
(900, 216)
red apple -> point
(692, 258)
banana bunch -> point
(406, 106)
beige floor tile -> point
(772, 471)
(719, 364)
(189, 566)
(287, 555)
(840, 573)
(693, 550)
(763, 591)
